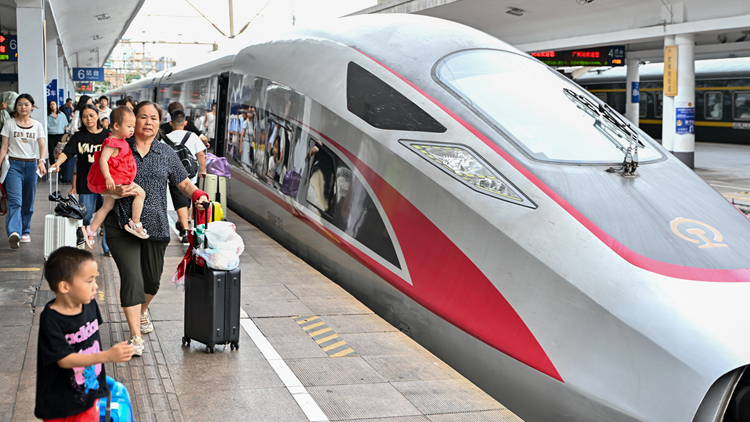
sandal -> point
(90, 237)
(136, 229)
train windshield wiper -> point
(606, 118)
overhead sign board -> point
(599, 56)
(85, 87)
(8, 48)
(670, 70)
(88, 74)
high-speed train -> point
(484, 204)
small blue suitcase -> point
(118, 408)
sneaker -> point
(184, 238)
(107, 253)
(13, 239)
(25, 238)
(139, 345)
(146, 325)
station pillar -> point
(683, 123)
(632, 92)
(30, 23)
(52, 72)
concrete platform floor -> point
(308, 350)
(727, 168)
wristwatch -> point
(44, 160)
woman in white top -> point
(75, 121)
(21, 138)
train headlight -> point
(466, 166)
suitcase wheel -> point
(210, 348)
(185, 341)
(235, 345)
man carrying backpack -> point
(191, 152)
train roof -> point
(704, 69)
(406, 43)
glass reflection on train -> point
(267, 140)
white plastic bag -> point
(219, 259)
(222, 235)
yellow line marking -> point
(9, 270)
(714, 124)
(311, 326)
(342, 353)
(325, 339)
(312, 318)
(334, 346)
(325, 330)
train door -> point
(222, 111)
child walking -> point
(70, 377)
(114, 165)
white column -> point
(667, 124)
(684, 103)
(632, 92)
(52, 79)
(61, 74)
(29, 19)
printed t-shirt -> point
(84, 144)
(23, 141)
(62, 392)
(193, 143)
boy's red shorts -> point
(90, 415)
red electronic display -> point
(599, 56)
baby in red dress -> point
(114, 165)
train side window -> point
(344, 202)
(741, 105)
(602, 96)
(322, 178)
(381, 106)
(643, 106)
(713, 105)
(658, 104)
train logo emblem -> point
(698, 234)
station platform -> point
(726, 167)
(308, 351)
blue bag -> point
(118, 409)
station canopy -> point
(88, 30)
(721, 27)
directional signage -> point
(52, 91)
(88, 74)
(8, 48)
(599, 56)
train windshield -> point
(527, 101)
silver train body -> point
(458, 188)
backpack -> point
(183, 153)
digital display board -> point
(599, 56)
(8, 48)
(85, 87)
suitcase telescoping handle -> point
(57, 186)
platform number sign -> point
(635, 92)
(88, 74)
(616, 55)
(8, 48)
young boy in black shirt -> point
(70, 376)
